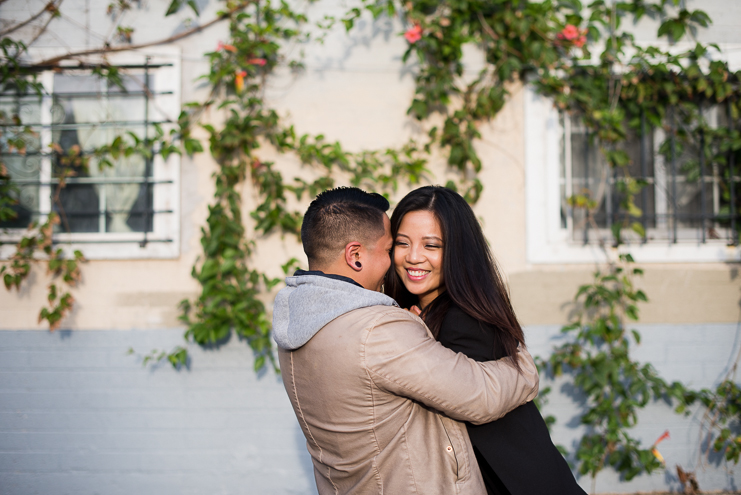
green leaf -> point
(194, 7)
(637, 227)
(174, 7)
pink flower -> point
(573, 34)
(414, 34)
(570, 32)
(229, 48)
(257, 61)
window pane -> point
(90, 113)
(594, 178)
(24, 166)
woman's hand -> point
(415, 310)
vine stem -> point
(171, 39)
(51, 7)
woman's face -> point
(418, 255)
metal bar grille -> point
(644, 175)
(147, 160)
(731, 173)
(143, 211)
(674, 172)
(688, 198)
(586, 182)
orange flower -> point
(230, 48)
(239, 80)
(664, 436)
(414, 34)
(655, 451)
(257, 61)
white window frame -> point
(163, 242)
(546, 240)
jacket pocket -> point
(457, 447)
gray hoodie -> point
(308, 302)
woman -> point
(441, 263)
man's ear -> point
(352, 256)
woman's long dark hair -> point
(470, 272)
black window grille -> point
(82, 112)
(689, 183)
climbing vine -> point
(616, 387)
(578, 55)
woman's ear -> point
(352, 256)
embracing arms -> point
(402, 357)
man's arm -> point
(405, 360)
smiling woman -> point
(443, 264)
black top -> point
(515, 453)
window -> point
(128, 209)
(685, 215)
(681, 199)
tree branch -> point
(49, 7)
(171, 39)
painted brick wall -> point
(80, 416)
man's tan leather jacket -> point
(374, 394)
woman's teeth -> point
(417, 273)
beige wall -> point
(356, 90)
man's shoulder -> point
(384, 315)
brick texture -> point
(79, 416)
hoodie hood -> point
(308, 302)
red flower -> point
(229, 48)
(414, 34)
(257, 61)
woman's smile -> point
(417, 274)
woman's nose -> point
(413, 255)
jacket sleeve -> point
(403, 359)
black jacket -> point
(516, 454)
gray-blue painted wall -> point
(80, 416)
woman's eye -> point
(432, 246)
(399, 243)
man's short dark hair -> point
(339, 216)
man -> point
(366, 378)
